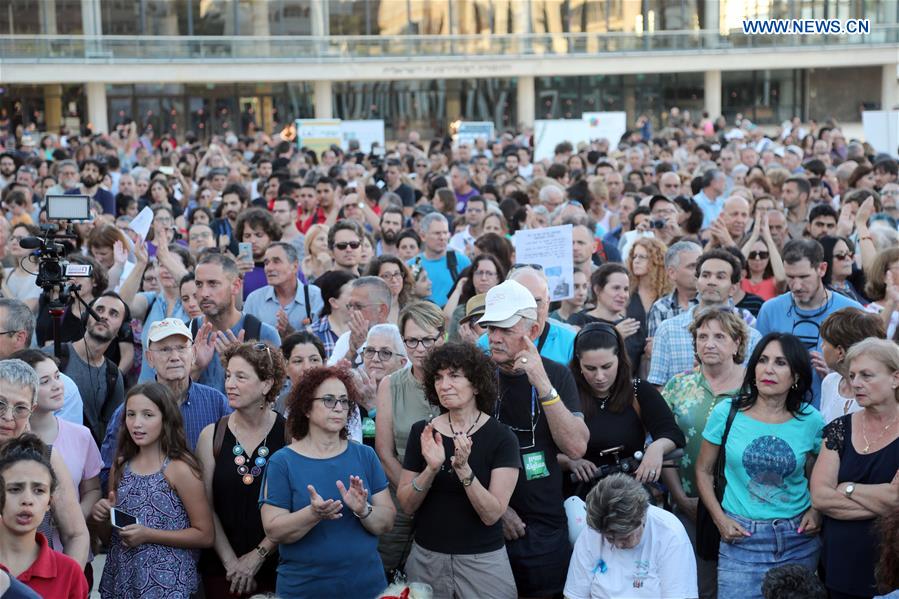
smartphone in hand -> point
(121, 519)
(245, 251)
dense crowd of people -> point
(324, 373)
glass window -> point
(349, 17)
(434, 17)
(290, 17)
(763, 96)
(20, 17)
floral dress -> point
(149, 571)
(691, 399)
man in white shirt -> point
(630, 549)
(475, 211)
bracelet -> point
(555, 399)
(864, 237)
(416, 488)
(369, 508)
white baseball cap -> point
(506, 304)
(167, 327)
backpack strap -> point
(149, 307)
(220, 427)
(194, 328)
(452, 263)
(252, 327)
(112, 376)
(63, 356)
(636, 404)
(308, 320)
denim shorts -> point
(742, 564)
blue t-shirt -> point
(438, 272)
(336, 558)
(214, 374)
(781, 313)
(558, 347)
(765, 468)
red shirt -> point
(316, 218)
(53, 574)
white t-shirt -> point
(834, 405)
(661, 565)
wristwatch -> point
(368, 509)
(849, 489)
(552, 393)
(466, 482)
(262, 551)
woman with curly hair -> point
(648, 280)
(324, 498)
(234, 452)
(399, 279)
(464, 463)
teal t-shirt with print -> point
(765, 468)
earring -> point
(261, 404)
(795, 385)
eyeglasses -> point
(426, 342)
(264, 347)
(348, 244)
(9, 332)
(843, 256)
(421, 165)
(331, 402)
(355, 306)
(521, 265)
(758, 255)
(383, 354)
(391, 275)
(485, 273)
(164, 220)
(168, 351)
(19, 412)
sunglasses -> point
(758, 255)
(844, 256)
(522, 265)
(348, 244)
(264, 347)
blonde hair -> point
(424, 314)
(313, 232)
(882, 350)
(658, 275)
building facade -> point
(218, 66)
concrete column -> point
(889, 87)
(324, 103)
(53, 107)
(713, 94)
(319, 16)
(526, 101)
(90, 17)
(96, 106)
(47, 16)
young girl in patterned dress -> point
(156, 479)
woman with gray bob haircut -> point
(629, 547)
(19, 386)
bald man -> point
(735, 214)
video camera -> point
(53, 269)
(55, 273)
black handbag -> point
(707, 536)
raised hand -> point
(204, 346)
(462, 449)
(628, 327)
(356, 496)
(324, 509)
(225, 339)
(432, 449)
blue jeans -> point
(742, 564)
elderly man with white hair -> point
(551, 196)
(555, 340)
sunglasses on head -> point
(345, 244)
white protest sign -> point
(140, 224)
(882, 130)
(551, 248)
(365, 132)
(548, 134)
(469, 131)
(318, 134)
(606, 125)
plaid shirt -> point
(672, 346)
(664, 308)
(321, 328)
(202, 406)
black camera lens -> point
(658, 223)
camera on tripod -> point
(53, 269)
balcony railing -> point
(130, 49)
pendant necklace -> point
(249, 473)
(865, 434)
(470, 428)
